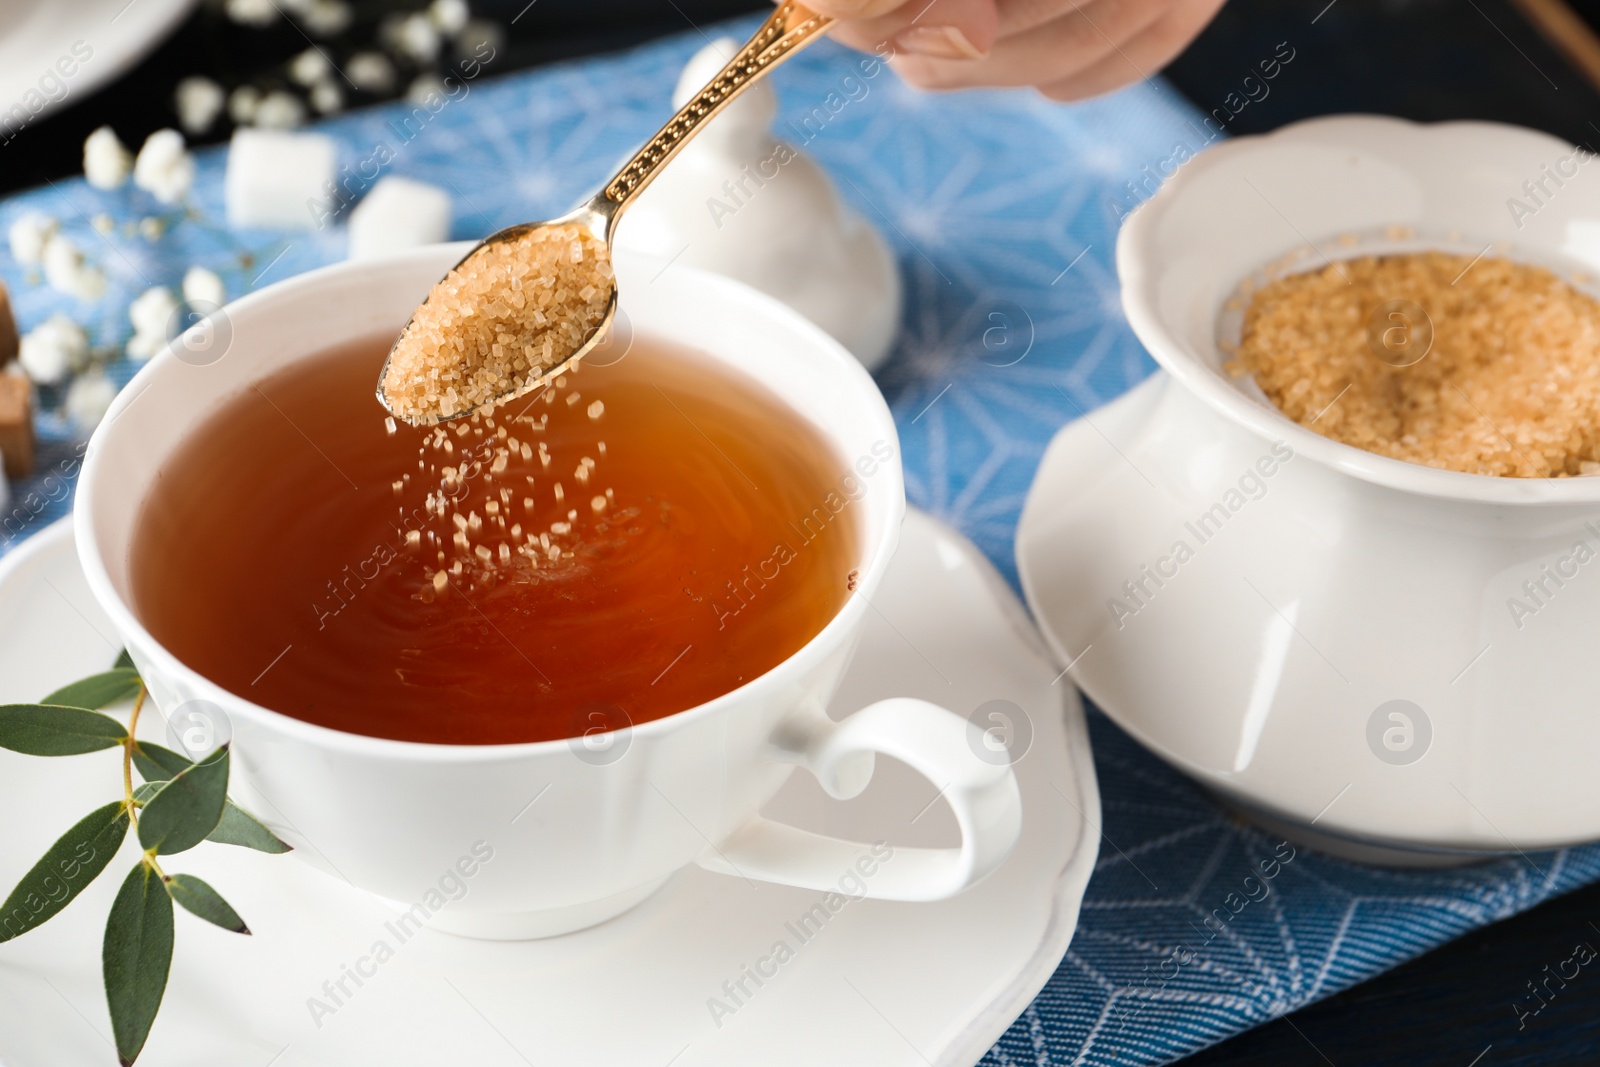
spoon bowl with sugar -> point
(532, 300)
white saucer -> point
(880, 984)
(35, 35)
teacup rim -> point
(876, 557)
(1137, 273)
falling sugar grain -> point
(496, 604)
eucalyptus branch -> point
(181, 803)
(127, 751)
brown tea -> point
(632, 542)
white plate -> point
(35, 34)
(879, 984)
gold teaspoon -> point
(469, 345)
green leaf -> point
(239, 827)
(123, 660)
(71, 864)
(145, 790)
(200, 899)
(98, 690)
(157, 764)
(47, 730)
(136, 958)
(187, 808)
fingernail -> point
(940, 42)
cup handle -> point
(937, 743)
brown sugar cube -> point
(10, 340)
(16, 425)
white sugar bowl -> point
(1383, 659)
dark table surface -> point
(1427, 60)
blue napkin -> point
(1002, 209)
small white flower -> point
(242, 104)
(203, 287)
(371, 72)
(164, 167)
(141, 346)
(150, 313)
(80, 357)
(424, 86)
(325, 18)
(29, 235)
(88, 398)
(280, 111)
(449, 17)
(252, 12)
(52, 349)
(151, 228)
(310, 67)
(103, 224)
(480, 39)
(198, 102)
(327, 97)
(91, 284)
(66, 271)
(151, 310)
(62, 260)
(412, 36)
(106, 163)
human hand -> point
(1067, 49)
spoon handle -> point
(790, 28)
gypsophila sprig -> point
(180, 804)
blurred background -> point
(1532, 62)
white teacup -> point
(575, 831)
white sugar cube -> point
(399, 213)
(280, 180)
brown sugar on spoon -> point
(450, 366)
(1510, 385)
(506, 315)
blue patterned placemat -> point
(1003, 210)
